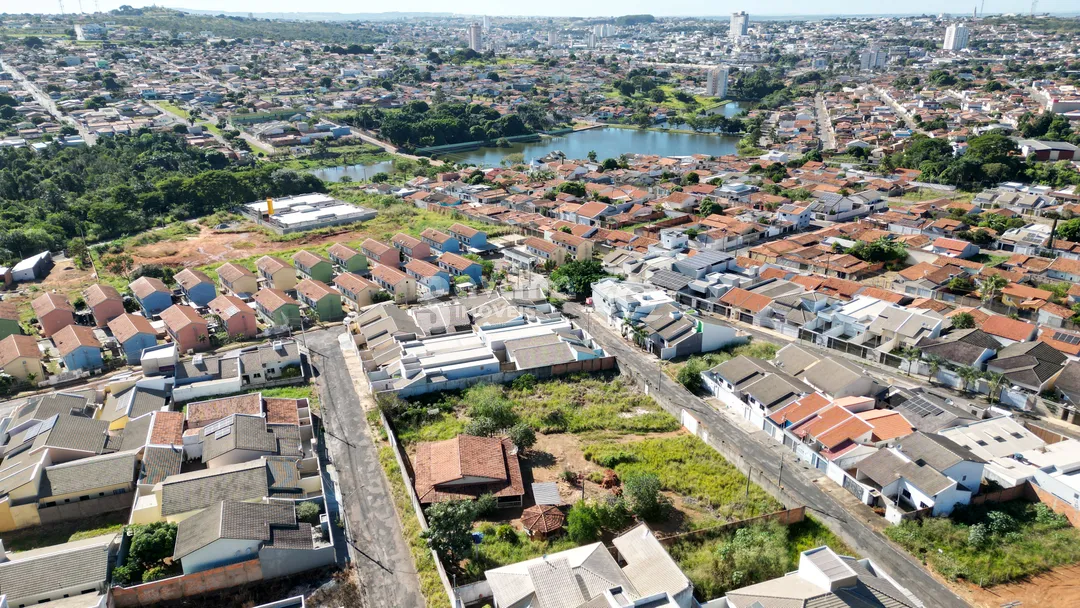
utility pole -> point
(780, 477)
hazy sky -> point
(569, 7)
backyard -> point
(992, 544)
(604, 445)
(687, 371)
(64, 532)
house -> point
(356, 290)
(277, 307)
(832, 376)
(197, 287)
(20, 358)
(238, 319)
(466, 467)
(277, 273)
(671, 331)
(348, 259)
(53, 573)
(757, 383)
(322, 299)
(963, 348)
(589, 576)
(1007, 331)
(188, 330)
(186, 494)
(580, 248)
(32, 268)
(135, 334)
(457, 266)
(104, 302)
(78, 347)
(399, 284)
(432, 280)
(53, 312)
(313, 266)
(239, 438)
(9, 320)
(469, 237)
(997, 437)
(152, 294)
(953, 248)
(381, 253)
(411, 248)
(822, 579)
(545, 251)
(440, 241)
(237, 280)
(229, 531)
(1030, 365)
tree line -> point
(419, 125)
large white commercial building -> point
(740, 23)
(956, 37)
(716, 85)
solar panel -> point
(1066, 338)
(922, 407)
(224, 432)
(214, 427)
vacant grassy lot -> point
(302, 391)
(505, 545)
(730, 559)
(65, 532)
(993, 544)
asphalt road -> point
(758, 451)
(48, 103)
(384, 565)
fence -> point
(785, 518)
(187, 585)
(86, 508)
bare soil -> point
(1058, 588)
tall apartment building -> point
(603, 30)
(740, 23)
(553, 38)
(476, 37)
(716, 85)
(873, 58)
(956, 37)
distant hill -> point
(303, 16)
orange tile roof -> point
(167, 428)
(888, 425)
(1011, 329)
(741, 298)
(17, 346)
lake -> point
(357, 173)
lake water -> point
(610, 142)
(358, 173)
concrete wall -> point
(202, 390)
(219, 553)
(586, 366)
(283, 562)
(86, 508)
(785, 518)
(151, 594)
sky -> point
(573, 7)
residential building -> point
(399, 284)
(356, 290)
(440, 241)
(716, 82)
(20, 358)
(956, 37)
(348, 259)
(469, 237)
(135, 334)
(476, 37)
(53, 312)
(79, 348)
(578, 247)
(740, 23)
(411, 248)
(322, 299)
(33, 268)
(456, 266)
(433, 281)
(381, 253)
(104, 302)
(673, 331)
(186, 327)
(544, 251)
(237, 280)
(197, 287)
(466, 467)
(313, 266)
(53, 573)
(237, 318)
(152, 294)
(9, 320)
(277, 273)
(277, 307)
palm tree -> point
(934, 363)
(995, 382)
(991, 285)
(910, 354)
(968, 375)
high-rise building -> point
(716, 85)
(956, 37)
(487, 23)
(592, 40)
(603, 30)
(476, 38)
(740, 23)
(553, 38)
(873, 58)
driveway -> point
(774, 467)
(383, 562)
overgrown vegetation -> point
(688, 372)
(992, 544)
(150, 546)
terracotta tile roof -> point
(100, 293)
(177, 317)
(489, 460)
(1067, 265)
(538, 243)
(405, 240)
(435, 235)
(202, 413)
(231, 272)
(127, 325)
(375, 247)
(888, 425)
(741, 298)
(227, 306)
(284, 411)
(167, 429)
(68, 339)
(456, 261)
(774, 273)
(463, 230)
(884, 295)
(954, 245)
(9, 311)
(273, 299)
(188, 278)
(17, 346)
(48, 302)
(271, 264)
(342, 252)
(307, 258)
(1011, 329)
(391, 276)
(354, 282)
(144, 286)
(422, 268)
(800, 410)
(315, 290)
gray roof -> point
(88, 475)
(545, 355)
(669, 279)
(83, 566)
(136, 433)
(742, 370)
(935, 450)
(75, 433)
(794, 360)
(884, 467)
(832, 375)
(147, 400)
(648, 565)
(200, 489)
(928, 412)
(1069, 382)
(777, 390)
(159, 462)
(246, 432)
(546, 493)
(231, 520)
(41, 408)
(1028, 363)
(703, 259)
(963, 347)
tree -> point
(995, 382)
(449, 530)
(708, 207)
(494, 76)
(572, 188)
(151, 543)
(934, 363)
(576, 277)
(78, 251)
(592, 155)
(523, 436)
(963, 320)
(583, 523)
(690, 374)
(961, 283)
(308, 512)
(968, 376)
(642, 492)
(991, 285)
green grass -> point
(302, 391)
(172, 108)
(27, 539)
(988, 259)
(495, 552)
(430, 583)
(1010, 541)
(730, 559)
(760, 350)
(689, 467)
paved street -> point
(825, 128)
(384, 565)
(757, 450)
(48, 103)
